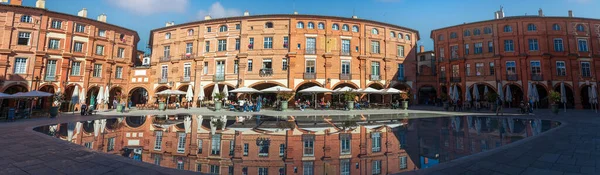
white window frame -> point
(23, 35)
(558, 45)
(26, 18)
(102, 33)
(97, 72)
(582, 45)
(99, 50)
(80, 28)
(345, 70)
(119, 72)
(120, 52)
(561, 67)
(268, 43)
(54, 44)
(56, 24)
(20, 65)
(313, 68)
(75, 68)
(158, 140)
(181, 137)
(222, 45)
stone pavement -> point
(572, 148)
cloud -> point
(580, 1)
(217, 10)
(148, 7)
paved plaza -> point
(572, 148)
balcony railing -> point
(310, 76)
(537, 77)
(310, 51)
(512, 77)
(50, 78)
(345, 52)
(186, 56)
(186, 79)
(163, 80)
(401, 78)
(443, 79)
(164, 59)
(218, 77)
(266, 72)
(455, 79)
(346, 76)
(375, 78)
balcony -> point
(443, 79)
(310, 76)
(163, 80)
(218, 77)
(345, 52)
(537, 77)
(401, 78)
(186, 79)
(188, 56)
(265, 72)
(375, 78)
(455, 79)
(164, 59)
(310, 51)
(345, 76)
(512, 77)
(48, 78)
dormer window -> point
(335, 27)
(407, 37)
(580, 28)
(392, 34)
(321, 26)
(269, 25)
(311, 25)
(375, 31)
(191, 32)
(300, 25)
(354, 28)
(223, 28)
(345, 27)
(167, 35)
(531, 27)
(400, 35)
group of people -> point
(246, 105)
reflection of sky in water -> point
(330, 144)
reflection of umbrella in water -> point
(470, 121)
(478, 125)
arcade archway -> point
(584, 95)
(45, 102)
(427, 95)
(543, 96)
(208, 91)
(11, 103)
(138, 95)
(569, 94)
(516, 95)
(91, 95)
(309, 97)
(375, 98)
(114, 96)
(268, 98)
(481, 87)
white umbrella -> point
(455, 93)
(70, 129)
(246, 90)
(225, 92)
(102, 125)
(594, 97)
(511, 124)
(201, 93)
(370, 91)
(75, 95)
(215, 91)
(187, 123)
(530, 96)
(276, 89)
(478, 125)
(476, 92)
(470, 121)
(314, 90)
(106, 94)
(31, 94)
(468, 96)
(344, 89)
(189, 95)
(508, 95)
(563, 96)
(390, 91)
(3, 95)
(96, 127)
(171, 92)
(485, 90)
(100, 95)
(499, 88)
(450, 91)
(82, 96)
(536, 96)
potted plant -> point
(555, 100)
(58, 99)
(349, 97)
(404, 95)
(491, 98)
(284, 97)
(161, 103)
(444, 97)
(218, 99)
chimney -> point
(540, 12)
(16, 2)
(207, 17)
(246, 13)
(295, 12)
(354, 17)
(571, 13)
(169, 24)
(422, 48)
(40, 4)
(496, 16)
(102, 17)
(82, 13)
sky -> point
(422, 15)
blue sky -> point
(422, 15)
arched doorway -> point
(208, 91)
(427, 95)
(339, 97)
(543, 96)
(45, 102)
(68, 104)
(516, 95)
(444, 89)
(481, 89)
(11, 103)
(138, 95)
(160, 89)
(309, 97)
(91, 95)
(182, 98)
(268, 98)
(585, 97)
(375, 98)
(114, 94)
(569, 94)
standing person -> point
(258, 103)
(530, 106)
(499, 106)
(83, 108)
(115, 103)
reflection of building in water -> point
(254, 145)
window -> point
(307, 168)
(78, 47)
(190, 32)
(376, 167)
(54, 44)
(467, 33)
(561, 69)
(121, 52)
(300, 25)
(376, 141)
(400, 70)
(441, 53)
(223, 28)
(400, 35)
(345, 27)
(215, 147)
(558, 45)
(181, 142)
(375, 68)
(268, 43)
(102, 33)
(453, 35)
(479, 69)
(246, 149)
(511, 68)
(478, 48)
(375, 47)
(26, 18)
(555, 27)
(119, 72)
(99, 50)
(198, 167)
(392, 34)
(237, 44)
(321, 26)
(476, 32)
(585, 69)
(531, 27)
(207, 46)
(250, 65)
(222, 45)
(263, 148)
(536, 68)
(487, 30)
(164, 73)
(286, 41)
(187, 70)
(466, 49)
(582, 45)
(158, 140)
(454, 51)
(440, 37)
(230, 170)
(580, 28)
(167, 51)
(56, 24)
(443, 72)
(354, 28)
(345, 167)
(80, 28)
(236, 66)
(263, 171)
(97, 70)
(205, 68)
(490, 46)
(533, 45)
(455, 71)
(311, 25)
(214, 169)
(311, 45)
(157, 159)
(89, 145)
(238, 26)
(20, 66)
(180, 164)
(468, 70)
(345, 143)
(507, 28)
(250, 43)
(208, 29)
(284, 63)
(345, 47)
(492, 68)
(335, 27)
(281, 149)
(308, 145)
(310, 66)
(407, 37)
(403, 162)
(374, 31)
(24, 38)
(509, 46)
(189, 48)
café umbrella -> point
(201, 94)
(369, 91)
(563, 96)
(314, 91)
(245, 90)
(500, 92)
(225, 92)
(390, 91)
(106, 94)
(276, 89)
(476, 92)
(100, 96)
(189, 95)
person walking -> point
(499, 106)
(83, 108)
